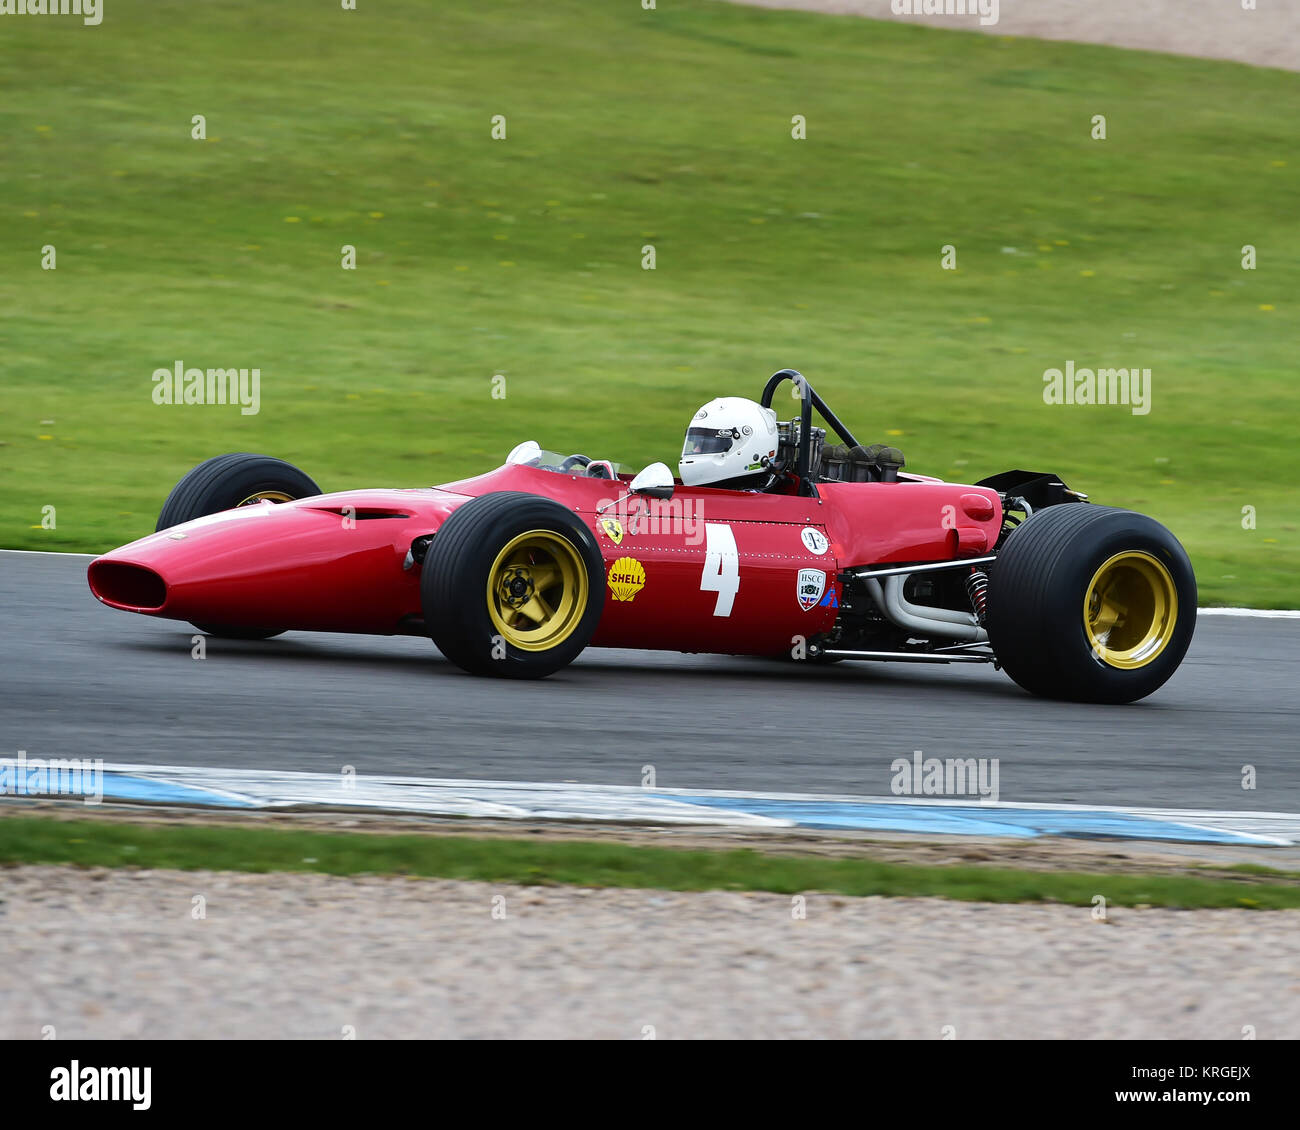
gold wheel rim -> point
(265, 496)
(1130, 610)
(537, 590)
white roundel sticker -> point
(815, 541)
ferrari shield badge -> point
(812, 583)
(612, 529)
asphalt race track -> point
(83, 680)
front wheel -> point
(512, 585)
(1091, 604)
(225, 482)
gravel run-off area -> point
(125, 954)
(1268, 35)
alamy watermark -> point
(987, 10)
(952, 776)
(179, 385)
(1098, 386)
(90, 11)
(58, 776)
(653, 517)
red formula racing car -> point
(818, 552)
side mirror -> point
(655, 481)
(524, 453)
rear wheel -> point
(1091, 603)
(512, 586)
(224, 483)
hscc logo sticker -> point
(815, 541)
(612, 529)
(626, 578)
(812, 583)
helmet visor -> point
(707, 441)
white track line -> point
(47, 553)
(1256, 613)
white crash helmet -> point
(728, 440)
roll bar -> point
(808, 401)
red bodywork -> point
(335, 562)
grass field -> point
(113, 843)
(523, 256)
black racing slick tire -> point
(512, 585)
(1091, 604)
(223, 483)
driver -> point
(728, 445)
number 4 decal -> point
(721, 566)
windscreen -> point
(531, 455)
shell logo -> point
(626, 578)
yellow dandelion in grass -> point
(382, 282)
(431, 184)
(894, 432)
(506, 263)
(460, 267)
(502, 236)
(552, 203)
(1061, 242)
(1265, 306)
(578, 235)
(1271, 541)
(44, 437)
(1276, 164)
(42, 129)
(1044, 247)
(1087, 274)
(1166, 482)
(352, 396)
(31, 215)
(683, 368)
(376, 215)
(293, 219)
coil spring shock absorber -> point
(977, 588)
